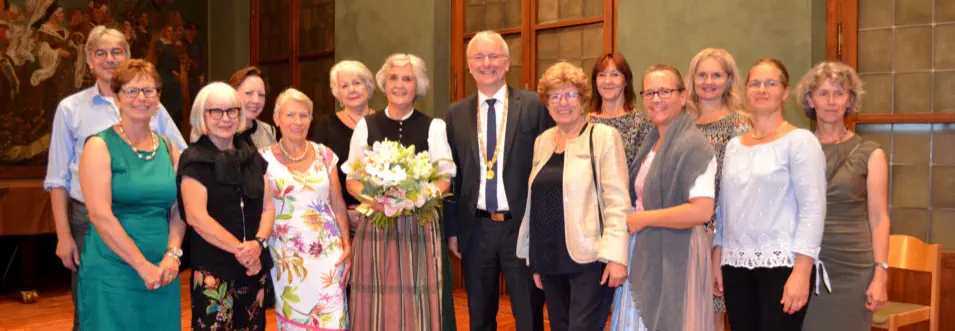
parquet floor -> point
(54, 311)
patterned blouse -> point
(632, 126)
(720, 132)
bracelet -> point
(173, 256)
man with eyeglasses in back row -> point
(79, 116)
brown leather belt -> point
(497, 217)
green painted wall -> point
(660, 31)
(370, 30)
(229, 37)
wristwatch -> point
(882, 265)
(174, 252)
(262, 242)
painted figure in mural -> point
(100, 14)
(55, 56)
(79, 30)
(168, 65)
(38, 71)
(42, 61)
(194, 50)
(140, 45)
(8, 15)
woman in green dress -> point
(128, 278)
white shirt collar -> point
(500, 96)
(387, 113)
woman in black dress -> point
(353, 85)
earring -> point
(341, 105)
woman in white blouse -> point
(401, 272)
(772, 209)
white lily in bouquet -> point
(399, 179)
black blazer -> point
(526, 118)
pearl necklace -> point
(289, 156)
(138, 152)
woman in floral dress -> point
(312, 255)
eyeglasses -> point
(216, 113)
(132, 92)
(492, 57)
(555, 98)
(756, 84)
(100, 54)
(664, 93)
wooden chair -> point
(909, 253)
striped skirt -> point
(398, 277)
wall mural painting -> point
(42, 61)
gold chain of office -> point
(489, 164)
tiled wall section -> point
(579, 45)
(907, 62)
(921, 178)
(907, 55)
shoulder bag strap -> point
(593, 168)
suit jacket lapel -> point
(471, 129)
(514, 108)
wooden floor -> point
(54, 311)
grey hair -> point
(355, 67)
(492, 36)
(840, 74)
(100, 34)
(197, 117)
(400, 60)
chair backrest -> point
(910, 253)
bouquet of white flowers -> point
(402, 181)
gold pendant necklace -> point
(752, 133)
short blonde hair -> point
(732, 96)
(564, 73)
(492, 36)
(417, 65)
(840, 74)
(197, 117)
(100, 34)
(355, 67)
(291, 94)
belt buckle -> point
(497, 217)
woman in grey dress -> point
(612, 79)
(855, 242)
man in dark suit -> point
(492, 137)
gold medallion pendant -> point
(490, 174)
